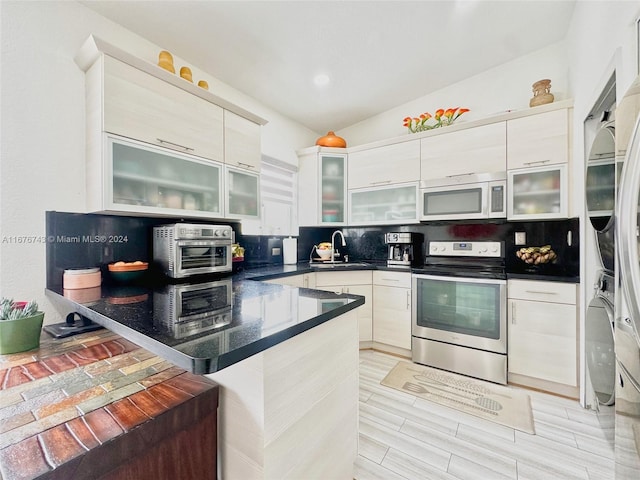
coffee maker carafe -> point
(402, 249)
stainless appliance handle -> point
(627, 225)
(493, 281)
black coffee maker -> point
(403, 249)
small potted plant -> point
(20, 326)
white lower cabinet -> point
(543, 340)
(392, 308)
(356, 283)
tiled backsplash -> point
(86, 240)
(367, 243)
(93, 240)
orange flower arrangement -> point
(442, 118)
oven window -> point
(453, 202)
(203, 257)
(204, 300)
(462, 307)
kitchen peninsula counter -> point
(258, 316)
(286, 364)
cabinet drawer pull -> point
(389, 280)
(167, 142)
(408, 299)
(537, 162)
(246, 165)
(460, 175)
(513, 313)
(381, 182)
(541, 292)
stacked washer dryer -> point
(599, 324)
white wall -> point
(42, 135)
(506, 87)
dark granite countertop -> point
(543, 278)
(213, 334)
(277, 271)
(261, 315)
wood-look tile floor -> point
(405, 437)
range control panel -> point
(466, 249)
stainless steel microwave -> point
(464, 197)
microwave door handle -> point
(485, 201)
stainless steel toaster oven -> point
(186, 249)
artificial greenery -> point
(9, 310)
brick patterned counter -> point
(98, 406)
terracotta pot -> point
(331, 140)
(541, 93)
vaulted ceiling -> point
(377, 54)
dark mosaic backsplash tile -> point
(79, 241)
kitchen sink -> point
(338, 265)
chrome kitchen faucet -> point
(333, 244)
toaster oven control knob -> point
(224, 233)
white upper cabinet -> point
(241, 142)
(243, 193)
(386, 165)
(322, 187)
(137, 177)
(156, 142)
(474, 150)
(539, 140)
(142, 107)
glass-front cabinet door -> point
(333, 189)
(384, 205)
(243, 194)
(146, 179)
(538, 193)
